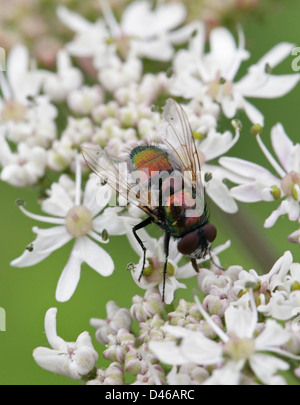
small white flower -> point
(67, 78)
(116, 73)
(150, 32)
(37, 127)
(90, 38)
(74, 218)
(277, 292)
(239, 344)
(71, 359)
(197, 73)
(23, 167)
(84, 99)
(25, 115)
(257, 183)
(20, 82)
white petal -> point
(94, 255)
(168, 352)
(184, 33)
(59, 202)
(201, 350)
(83, 361)
(276, 55)
(139, 21)
(254, 115)
(288, 206)
(248, 193)
(219, 193)
(216, 144)
(69, 278)
(266, 86)
(55, 341)
(229, 374)
(247, 169)
(170, 286)
(240, 322)
(54, 361)
(46, 242)
(72, 20)
(272, 335)
(185, 271)
(265, 366)
(178, 331)
(159, 49)
(114, 224)
(17, 65)
(229, 106)
(91, 198)
(23, 82)
(282, 145)
(223, 47)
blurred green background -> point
(27, 293)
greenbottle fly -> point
(164, 181)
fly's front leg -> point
(166, 248)
(140, 242)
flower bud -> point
(113, 375)
(185, 314)
(151, 329)
(117, 318)
(118, 345)
(144, 308)
(214, 304)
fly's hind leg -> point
(166, 248)
(141, 225)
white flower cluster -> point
(132, 64)
(237, 326)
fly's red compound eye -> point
(210, 232)
(189, 243)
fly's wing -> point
(115, 172)
(181, 145)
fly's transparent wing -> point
(115, 172)
(179, 137)
(180, 143)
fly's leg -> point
(213, 262)
(140, 242)
(195, 265)
(166, 248)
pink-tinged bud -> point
(146, 307)
(207, 330)
(117, 318)
(119, 345)
(113, 375)
(151, 329)
(186, 313)
(153, 376)
(214, 304)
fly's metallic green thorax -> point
(150, 159)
